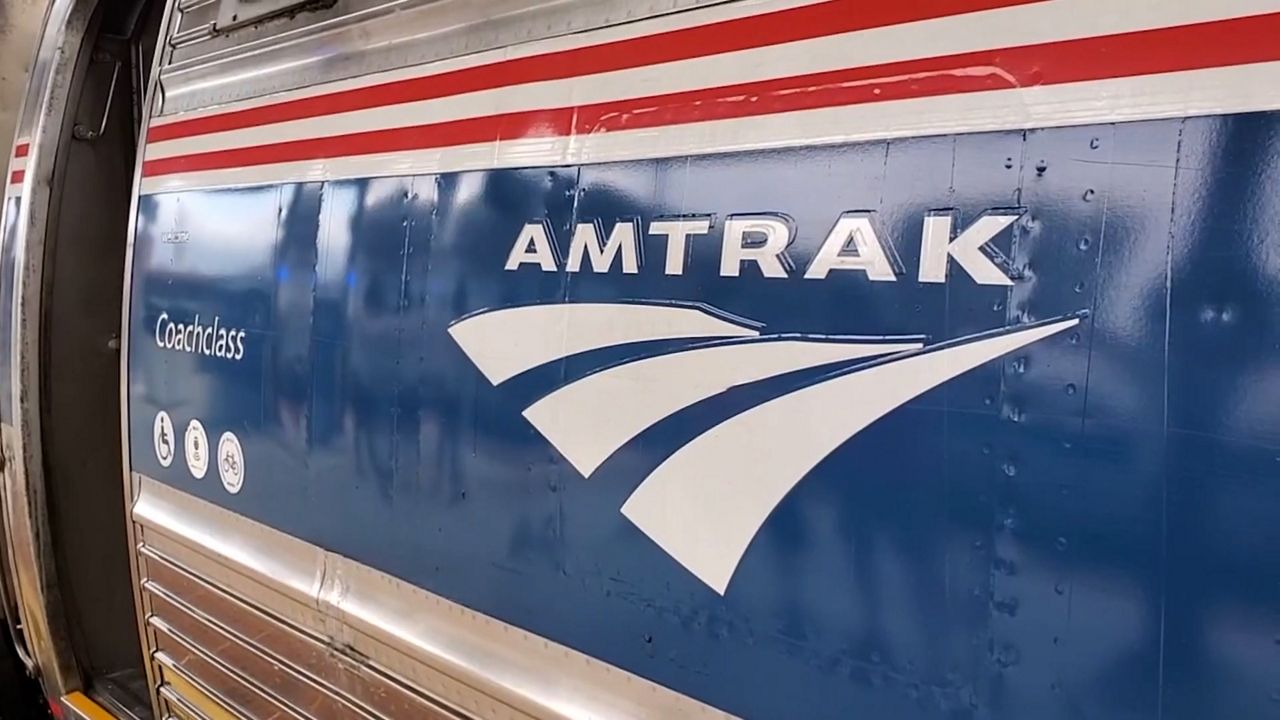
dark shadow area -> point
(80, 349)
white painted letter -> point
(160, 321)
(936, 246)
(768, 254)
(678, 231)
(533, 246)
(853, 231)
(586, 240)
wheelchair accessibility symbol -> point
(162, 435)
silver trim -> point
(192, 16)
(330, 673)
(203, 672)
(9, 584)
(43, 109)
(359, 37)
(478, 664)
(150, 103)
(191, 35)
(235, 680)
(233, 14)
(249, 663)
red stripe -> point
(1189, 47)
(21, 150)
(16, 177)
(811, 21)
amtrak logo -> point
(706, 501)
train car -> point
(560, 359)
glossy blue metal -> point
(1087, 528)
(8, 232)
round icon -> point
(162, 433)
(230, 462)
(196, 444)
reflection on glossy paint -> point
(9, 214)
(234, 231)
(1084, 529)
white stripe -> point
(950, 35)
(504, 343)
(705, 503)
(1185, 94)
(588, 420)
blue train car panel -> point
(961, 440)
(806, 359)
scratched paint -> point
(1085, 527)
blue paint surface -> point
(1089, 527)
(8, 231)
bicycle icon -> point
(230, 462)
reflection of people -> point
(295, 263)
(375, 288)
(476, 208)
(1223, 366)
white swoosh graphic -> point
(705, 503)
(588, 420)
(504, 343)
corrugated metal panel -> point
(357, 37)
